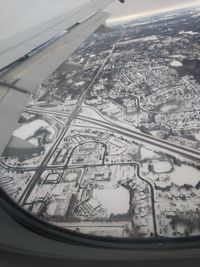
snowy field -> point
(185, 175)
(115, 201)
(162, 166)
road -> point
(113, 127)
(73, 115)
(187, 152)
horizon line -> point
(153, 12)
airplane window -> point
(109, 145)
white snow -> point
(197, 136)
(148, 153)
(71, 177)
(58, 190)
(188, 32)
(167, 108)
(115, 201)
(143, 39)
(80, 83)
(139, 23)
(27, 130)
(197, 15)
(178, 56)
(51, 208)
(162, 166)
(176, 63)
(185, 175)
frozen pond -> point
(115, 201)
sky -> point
(18, 15)
(138, 8)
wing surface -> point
(19, 45)
(51, 50)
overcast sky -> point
(17, 15)
(134, 8)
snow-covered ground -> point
(167, 108)
(178, 56)
(80, 83)
(185, 175)
(176, 63)
(27, 130)
(148, 153)
(197, 136)
(162, 166)
(115, 201)
(188, 32)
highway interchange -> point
(100, 122)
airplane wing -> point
(28, 58)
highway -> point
(186, 152)
(73, 115)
